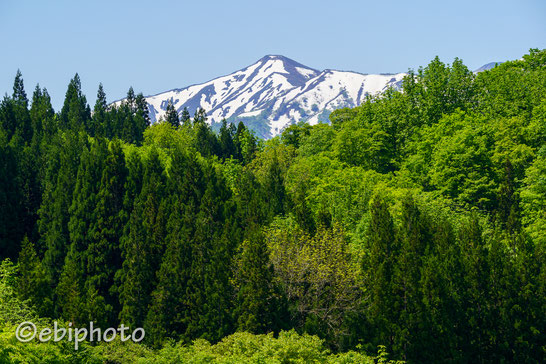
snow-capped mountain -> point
(274, 93)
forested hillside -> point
(416, 221)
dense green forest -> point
(414, 225)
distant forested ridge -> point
(416, 221)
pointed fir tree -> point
(19, 94)
(61, 174)
(20, 109)
(257, 305)
(100, 116)
(9, 233)
(8, 121)
(103, 253)
(274, 188)
(143, 248)
(379, 266)
(33, 284)
(209, 292)
(171, 116)
(142, 118)
(70, 303)
(185, 117)
(200, 116)
(75, 113)
(168, 315)
(70, 289)
(227, 146)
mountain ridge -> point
(273, 93)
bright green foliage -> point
(316, 275)
(415, 220)
(533, 198)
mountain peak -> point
(269, 57)
(288, 63)
(273, 93)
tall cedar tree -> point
(143, 248)
(379, 265)
(185, 117)
(33, 284)
(257, 305)
(103, 253)
(100, 122)
(61, 173)
(209, 292)
(171, 116)
(169, 309)
(227, 146)
(274, 188)
(82, 216)
(75, 113)
(9, 232)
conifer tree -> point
(414, 241)
(257, 304)
(168, 315)
(227, 147)
(70, 289)
(274, 187)
(143, 248)
(19, 94)
(20, 109)
(8, 121)
(476, 282)
(171, 115)
(245, 144)
(209, 292)
(200, 116)
(29, 192)
(133, 184)
(9, 237)
(508, 211)
(33, 284)
(71, 302)
(61, 174)
(100, 116)
(142, 118)
(42, 114)
(103, 253)
(379, 267)
(185, 116)
(131, 100)
(75, 113)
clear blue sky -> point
(159, 45)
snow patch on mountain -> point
(274, 93)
